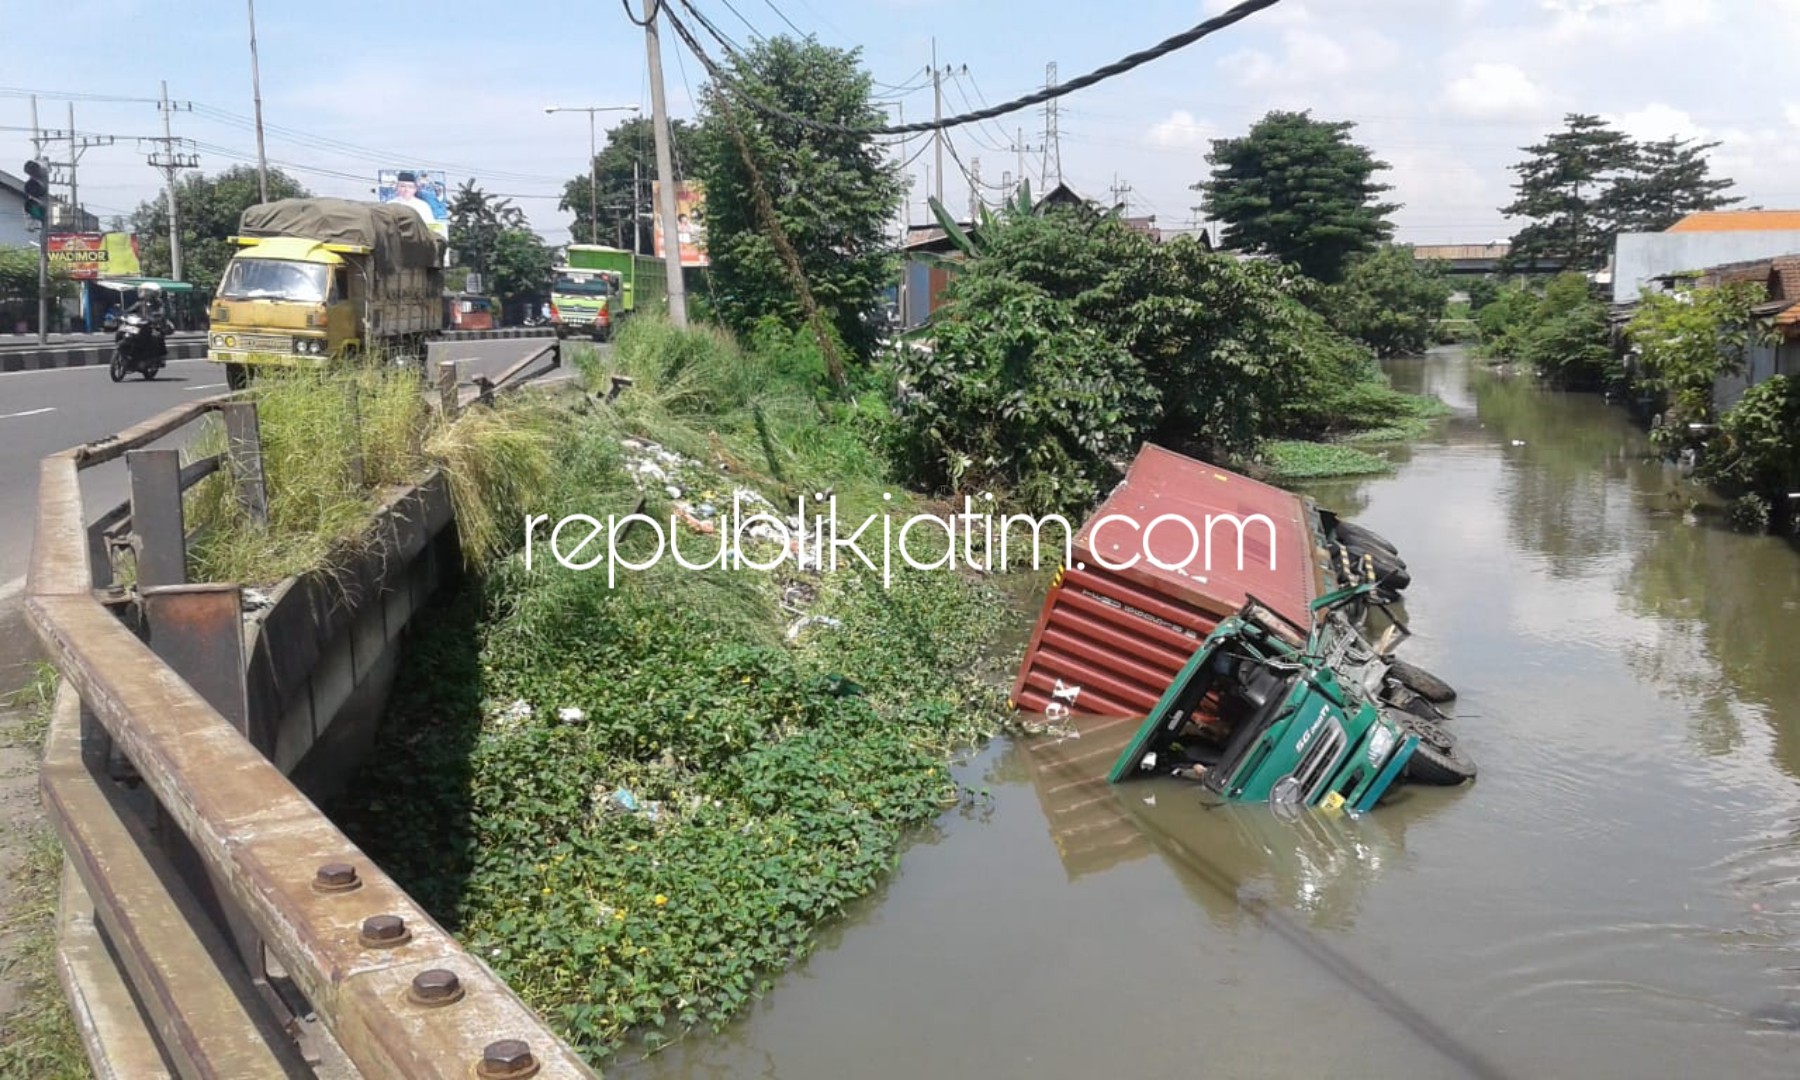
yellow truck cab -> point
(318, 279)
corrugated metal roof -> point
(1739, 221)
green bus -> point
(642, 280)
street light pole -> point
(593, 158)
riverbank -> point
(737, 754)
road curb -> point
(52, 357)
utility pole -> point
(1020, 148)
(78, 145)
(262, 159)
(171, 162)
(594, 160)
(937, 115)
(1052, 139)
(37, 153)
(637, 209)
(974, 190)
(665, 170)
(1119, 191)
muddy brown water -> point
(1618, 894)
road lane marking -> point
(206, 386)
(86, 367)
(27, 412)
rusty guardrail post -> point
(159, 537)
(243, 441)
(446, 385)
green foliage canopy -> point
(209, 208)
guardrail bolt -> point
(385, 931)
(336, 877)
(436, 986)
(508, 1059)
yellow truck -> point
(316, 280)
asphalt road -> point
(42, 412)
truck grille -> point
(265, 343)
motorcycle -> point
(140, 345)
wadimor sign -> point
(84, 256)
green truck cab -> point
(1263, 713)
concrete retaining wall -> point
(66, 356)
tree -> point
(831, 193)
(1665, 181)
(520, 266)
(1686, 341)
(210, 208)
(626, 165)
(1298, 189)
(477, 221)
(1561, 188)
(1388, 301)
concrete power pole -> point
(937, 116)
(78, 145)
(665, 171)
(262, 159)
(171, 163)
(974, 190)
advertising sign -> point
(423, 190)
(690, 220)
(87, 256)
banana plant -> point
(969, 241)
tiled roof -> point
(1739, 221)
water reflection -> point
(1318, 866)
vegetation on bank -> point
(40, 1040)
(1559, 330)
(639, 801)
(1068, 338)
(334, 442)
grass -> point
(1295, 460)
(333, 442)
(40, 1040)
(775, 779)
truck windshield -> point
(581, 285)
(274, 279)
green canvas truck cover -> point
(398, 236)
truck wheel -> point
(1421, 682)
(1441, 768)
(237, 376)
(1352, 535)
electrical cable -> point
(649, 13)
(1241, 11)
(783, 17)
(755, 34)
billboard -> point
(423, 190)
(87, 256)
(690, 220)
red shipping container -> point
(1117, 627)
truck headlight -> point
(218, 340)
(1381, 742)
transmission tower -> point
(1119, 192)
(1052, 141)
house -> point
(1778, 350)
(1708, 239)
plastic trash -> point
(625, 801)
(802, 623)
(571, 715)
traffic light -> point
(37, 191)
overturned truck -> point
(1227, 614)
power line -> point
(783, 17)
(1049, 93)
(755, 35)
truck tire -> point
(1438, 767)
(1421, 682)
(237, 376)
(1353, 535)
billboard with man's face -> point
(425, 191)
(690, 220)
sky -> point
(1445, 92)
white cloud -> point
(1181, 131)
(1658, 121)
(1496, 90)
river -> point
(1617, 895)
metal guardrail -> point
(256, 939)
